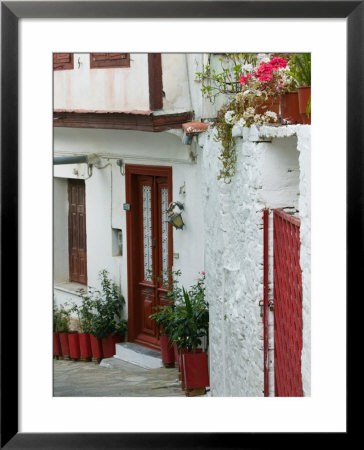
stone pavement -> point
(113, 378)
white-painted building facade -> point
(128, 120)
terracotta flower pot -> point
(85, 346)
(96, 347)
(304, 93)
(289, 108)
(271, 104)
(176, 357)
(74, 345)
(167, 351)
(63, 337)
(57, 351)
(108, 344)
(196, 374)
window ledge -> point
(70, 287)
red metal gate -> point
(287, 305)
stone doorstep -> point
(138, 355)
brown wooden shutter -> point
(77, 231)
(62, 61)
(102, 60)
(155, 81)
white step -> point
(138, 355)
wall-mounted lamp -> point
(175, 217)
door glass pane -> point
(164, 203)
(147, 231)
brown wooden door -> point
(77, 231)
(149, 251)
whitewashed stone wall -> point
(270, 174)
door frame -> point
(132, 170)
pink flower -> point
(278, 63)
(243, 79)
(203, 273)
(265, 78)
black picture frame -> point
(11, 12)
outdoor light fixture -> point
(175, 218)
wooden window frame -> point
(110, 64)
(65, 66)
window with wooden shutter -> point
(102, 60)
(62, 61)
(77, 231)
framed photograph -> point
(42, 45)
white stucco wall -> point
(105, 195)
(112, 89)
(268, 176)
(60, 230)
(127, 88)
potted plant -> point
(107, 323)
(189, 329)
(84, 313)
(164, 320)
(61, 317)
(57, 350)
(300, 70)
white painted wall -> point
(112, 89)
(60, 231)
(127, 88)
(105, 194)
(269, 175)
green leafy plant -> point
(103, 308)
(300, 68)
(186, 319)
(61, 319)
(163, 317)
(84, 312)
(226, 78)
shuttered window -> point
(77, 231)
(102, 60)
(62, 61)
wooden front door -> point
(77, 231)
(149, 236)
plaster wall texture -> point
(127, 88)
(105, 194)
(60, 223)
(112, 89)
(268, 175)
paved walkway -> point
(113, 378)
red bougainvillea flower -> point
(278, 63)
(264, 69)
(265, 78)
(243, 79)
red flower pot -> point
(176, 357)
(304, 93)
(167, 351)
(289, 108)
(74, 345)
(96, 347)
(271, 104)
(63, 338)
(196, 374)
(108, 344)
(57, 351)
(85, 346)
